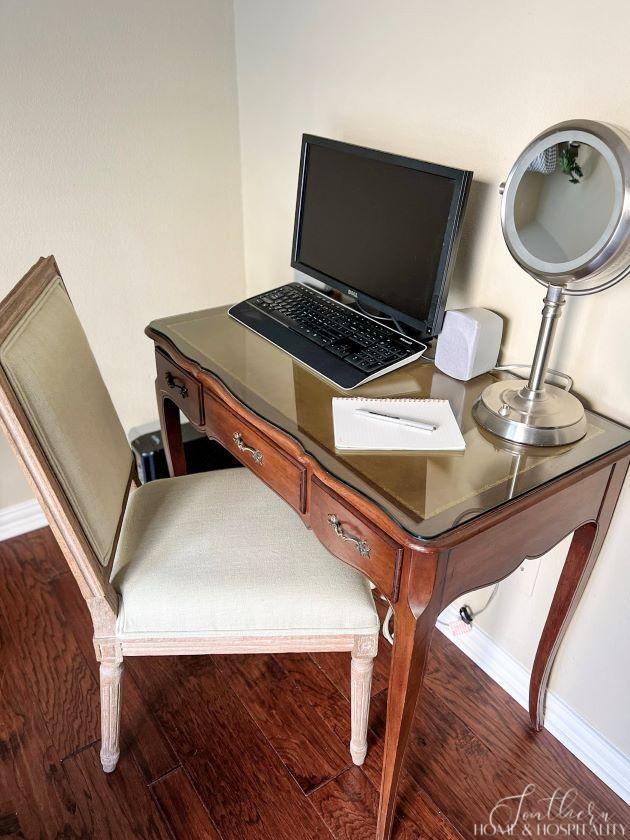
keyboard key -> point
(369, 366)
(341, 348)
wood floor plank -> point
(9, 821)
(503, 726)
(50, 659)
(118, 804)
(140, 732)
(182, 808)
(37, 800)
(331, 705)
(41, 548)
(458, 771)
(419, 817)
(234, 769)
(441, 751)
(348, 806)
(336, 668)
(287, 717)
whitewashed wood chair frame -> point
(93, 575)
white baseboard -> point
(18, 519)
(601, 757)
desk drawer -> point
(350, 536)
(181, 388)
(256, 451)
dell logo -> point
(352, 293)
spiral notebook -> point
(355, 431)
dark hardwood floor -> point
(246, 747)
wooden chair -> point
(211, 563)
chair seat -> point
(220, 554)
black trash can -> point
(202, 454)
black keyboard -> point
(346, 346)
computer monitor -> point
(381, 228)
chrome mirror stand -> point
(536, 413)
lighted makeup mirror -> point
(565, 215)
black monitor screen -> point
(374, 226)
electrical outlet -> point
(527, 574)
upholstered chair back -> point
(61, 420)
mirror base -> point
(552, 418)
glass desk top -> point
(427, 494)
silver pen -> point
(399, 421)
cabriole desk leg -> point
(171, 426)
(412, 638)
(581, 558)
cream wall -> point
(119, 153)
(13, 486)
(464, 84)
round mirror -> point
(564, 212)
(560, 216)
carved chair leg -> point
(363, 653)
(111, 678)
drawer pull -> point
(362, 547)
(177, 385)
(256, 454)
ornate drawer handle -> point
(362, 547)
(256, 454)
(177, 385)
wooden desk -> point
(424, 528)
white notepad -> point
(355, 431)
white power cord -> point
(567, 379)
(385, 628)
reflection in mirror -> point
(560, 215)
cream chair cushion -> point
(220, 554)
(50, 366)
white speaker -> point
(469, 342)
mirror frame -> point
(609, 251)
